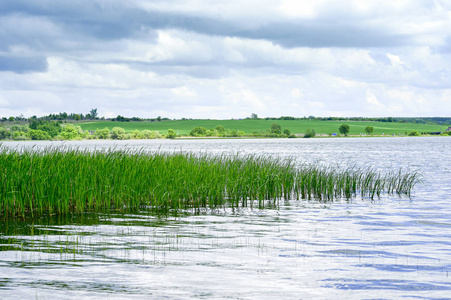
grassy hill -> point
(183, 127)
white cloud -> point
(184, 91)
(220, 60)
(372, 100)
(315, 105)
(247, 98)
(296, 93)
(395, 60)
(300, 9)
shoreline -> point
(229, 138)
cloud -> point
(19, 64)
(227, 59)
(323, 28)
(184, 92)
(372, 100)
(395, 60)
(296, 93)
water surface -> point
(360, 249)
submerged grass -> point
(59, 181)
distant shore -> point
(211, 129)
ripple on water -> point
(359, 249)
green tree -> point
(233, 133)
(93, 113)
(286, 132)
(86, 134)
(2, 133)
(19, 135)
(36, 134)
(71, 132)
(150, 134)
(212, 132)
(136, 134)
(198, 131)
(369, 129)
(275, 128)
(171, 134)
(147, 133)
(120, 118)
(103, 133)
(220, 129)
(344, 129)
(51, 127)
(23, 128)
(117, 133)
(309, 133)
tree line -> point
(219, 131)
(56, 130)
(93, 115)
(416, 120)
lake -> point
(389, 247)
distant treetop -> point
(93, 115)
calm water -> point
(360, 249)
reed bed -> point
(59, 181)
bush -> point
(52, 128)
(272, 135)
(86, 134)
(36, 134)
(147, 133)
(102, 133)
(198, 131)
(15, 128)
(71, 132)
(220, 129)
(414, 133)
(2, 133)
(310, 133)
(171, 134)
(136, 134)
(150, 134)
(344, 129)
(118, 133)
(275, 128)
(19, 136)
(212, 132)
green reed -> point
(59, 181)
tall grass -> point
(59, 181)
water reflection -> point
(386, 248)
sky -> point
(215, 59)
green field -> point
(183, 127)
